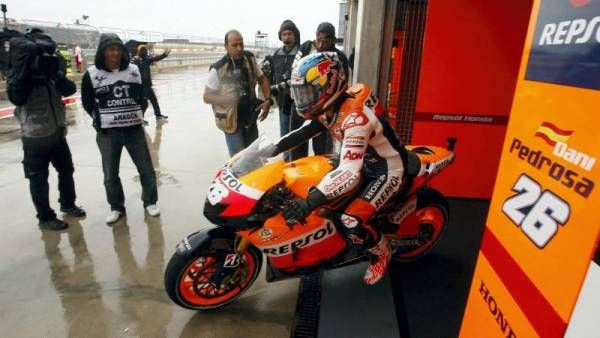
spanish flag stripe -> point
(545, 138)
(552, 135)
(557, 130)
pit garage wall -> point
(469, 67)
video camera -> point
(34, 55)
(45, 62)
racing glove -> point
(298, 209)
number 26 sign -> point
(538, 212)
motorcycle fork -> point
(224, 271)
(242, 245)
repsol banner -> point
(543, 224)
(565, 48)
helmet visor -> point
(304, 97)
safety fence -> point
(87, 36)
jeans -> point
(37, 155)
(154, 101)
(321, 144)
(284, 128)
(111, 142)
(242, 138)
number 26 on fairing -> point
(537, 212)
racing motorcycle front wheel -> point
(210, 277)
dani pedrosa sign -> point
(543, 226)
(565, 49)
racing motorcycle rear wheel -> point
(190, 280)
(431, 220)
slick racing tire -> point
(431, 220)
(188, 279)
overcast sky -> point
(201, 17)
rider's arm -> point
(347, 174)
(297, 137)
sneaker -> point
(153, 210)
(74, 211)
(378, 267)
(114, 216)
(53, 224)
(161, 117)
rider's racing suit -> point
(369, 148)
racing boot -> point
(378, 266)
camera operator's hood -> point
(106, 40)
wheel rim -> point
(195, 287)
(433, 215)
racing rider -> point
(370, 151)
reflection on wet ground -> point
(98, 281)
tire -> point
(432, 202)
(184, 274)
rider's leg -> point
(356, 220)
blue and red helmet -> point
(317, 82)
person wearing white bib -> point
(112, 93)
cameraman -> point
(36, 83)
(281, 66)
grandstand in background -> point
(87, 36)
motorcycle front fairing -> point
(239, 185)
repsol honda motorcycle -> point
(213, 267)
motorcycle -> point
(212, 267)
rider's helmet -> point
(317, 82)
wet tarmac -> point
(95, 280)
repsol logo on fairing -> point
(581, 185)
(311, 238)
(230, 180)
(495, 311)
